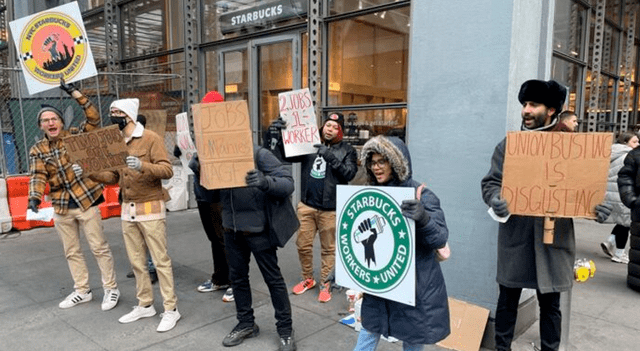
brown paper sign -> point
(156, 120)
(224, 143)
(553, 174)
(99, 150)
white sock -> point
(612, 239)
(619, 252)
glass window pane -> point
(569, 24)
(613, 10)
(336, 7)
(275, 76)
(610, 49)
(604, 106)
(361, 125)
(570, 75)
(236, 75)
(229, 19)
(151, 26)
(368, 59)
(96, 34)
(86, 5)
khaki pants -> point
(68, 227)
(312, 220)
(138, 236)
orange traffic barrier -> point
(18, 198)
(111, 206)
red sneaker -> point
(304, 286)
(325, 293)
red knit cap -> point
(212, 96)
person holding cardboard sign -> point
(524, 261)
(143, 212)
(75, 200)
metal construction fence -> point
(161, 98)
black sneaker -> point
(287, 343)
(237, 335)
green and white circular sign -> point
(374, 242)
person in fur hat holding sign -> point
(143, 212)
(524, 261)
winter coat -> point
(243, 208)
(620, 214)
(428, 321)
(524, 261)
(628, 184)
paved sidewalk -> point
(34, 278)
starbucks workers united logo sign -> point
(374, 242)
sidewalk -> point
(34, 278)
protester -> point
(388, 163)
(620, 215)
(524, 261)
(75, 200)
(335, 163)
(246, 232)
(629, 189)
(567, 122)
(143, 212)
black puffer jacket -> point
(629, 183)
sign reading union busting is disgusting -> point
(99, 150)
(552, 174)
(224, 143)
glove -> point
(499, 206)
(603, 211)
(134, 163)
(176, 151)
(257, 179)
(326, 153)
(279, 123)
(33, 205)
(413, 209)
(68, 88)
(77, 169)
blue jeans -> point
(368, 341)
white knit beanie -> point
(128, 106)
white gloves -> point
(77, 169)
(134, 163)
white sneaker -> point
(228, 295)
(169, 320)
(75, 299)
(110, 299)
(137, 313)
(623, 258)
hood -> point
(619, 150)
(395, 151)
(128, 106)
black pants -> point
(240, 246)
(211, 217)
(622, 235)
(507, 312)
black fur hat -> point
(549, 93)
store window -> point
(229, 19)
(342, 6)
(86, 5)
(568, 74)
(368, 59)
(96, 34)
(360, 125)
(151, 26)
(569, 27)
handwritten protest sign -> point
(99, 150)
(224, 143)
(184, 141)
(156, 120)
(375, 250)
(296, 108)
(555, 174)
(53, 44)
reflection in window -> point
(569, 24)
(151, 26)
(96, 34)
(368, 59)
(361, 125)
(342, 6)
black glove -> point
(413, 209)
(68, 88)
(326, 153)
(257, 179)
(279, 123)
(33, 205)
(603, 211)
(194, 164)
(499, 206)
(176, 151)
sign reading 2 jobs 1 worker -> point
(375, 243)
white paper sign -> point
(44, 214)
(184, 141)
(375, 243)
(296, 108)
(53, 44)
(177, 188)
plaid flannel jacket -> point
(49, 162)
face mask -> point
(121, 122)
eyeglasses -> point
(381, 163)
(47, 120)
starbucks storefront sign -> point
(375, 243)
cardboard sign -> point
(99, 150)
(184, 141)
(296, 108)
(156, 120)
(553, 174)
(375, 243)
(53, 44)
(467, 326)
(224, 143)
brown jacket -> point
(146, 184)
